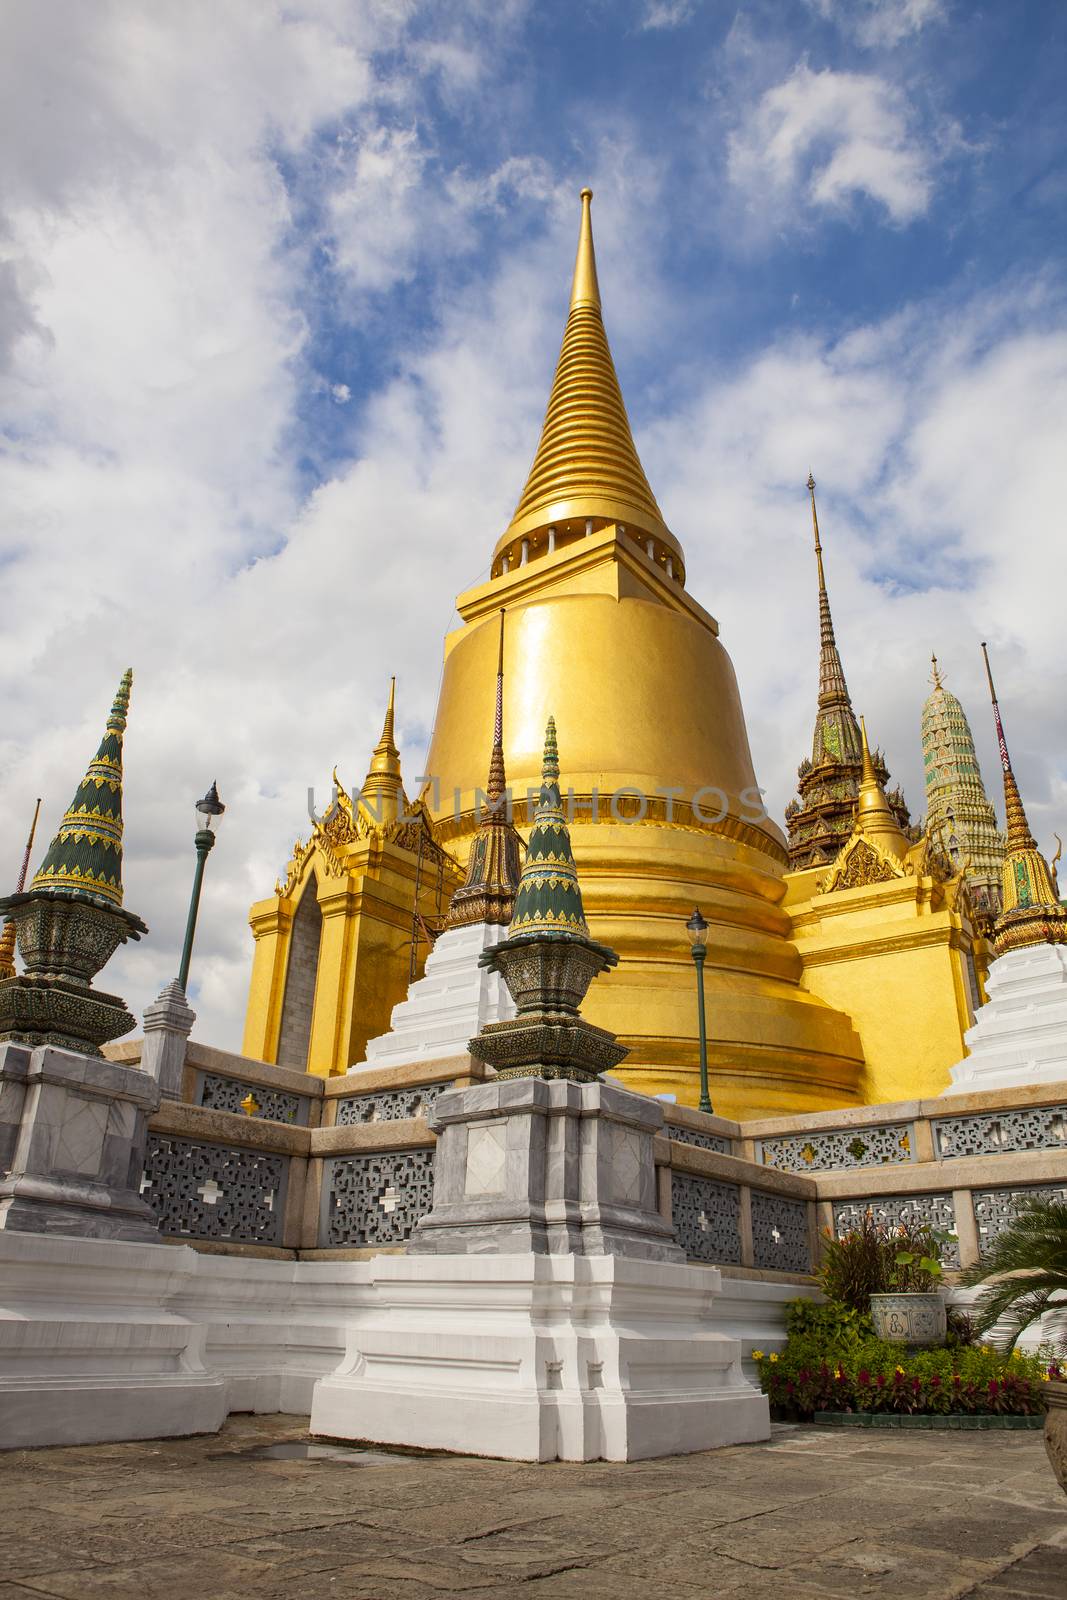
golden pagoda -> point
(663, 804)
(806, 981)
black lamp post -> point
(697, 929)
(208, 816)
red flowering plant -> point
(832, 1363)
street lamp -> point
(697, 929)
(208, 816)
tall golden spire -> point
(383, 791)
(587, 470)
(1031, 911)
(874, 815)
(487, 894)
(7, 938)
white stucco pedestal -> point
(90, 1347)
(540, 1357)
(448, 1005)
(1020, 1034)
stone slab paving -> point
(814, 1513)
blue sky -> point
(281, 292)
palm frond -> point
(1025, 1269)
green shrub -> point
(834, 1327)
(833, 1362)
(874, 1259)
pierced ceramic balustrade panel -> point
(935, 1211)
(780, 1238)
(703, 1141)
(251, 1099)
(375, 1199)
(886, 1145)
(999, 1132)
(707, 1218)
(215, 1191)
(389, 1105)
(996, 1209)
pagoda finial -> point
(935, 675)
(386, 757)
(874, 815)
(487, 893)
(1031, 912)
(84, 860)
(586, 473)
(7, 938)
(585, 290)
(383, 790)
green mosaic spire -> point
(84, 860)
(549, 899)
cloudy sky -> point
(281, 293)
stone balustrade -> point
(259, 1159)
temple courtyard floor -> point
(814, 1512)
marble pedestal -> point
(540, 1358)
(544, 1309)
(448, 1005)
(1020, 1035)
(74, 1129)
(545, 1166)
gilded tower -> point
(663, 802)
(958, 811)
(339, 940)
(820, 821)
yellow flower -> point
(757, 1355)
(899, 1371)
(987, 1349)
(1016, 1355)
(772, 1356)
(1045, 1376)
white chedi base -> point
(448, 1005)
(540, 1358)
(1020, 1034)
(92, 1347)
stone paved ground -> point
(816, 1512)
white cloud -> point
(881, 23)
(154, 310)
(828, 137)
(666, 14)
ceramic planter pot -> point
(1055, 1393)
(916, 1319)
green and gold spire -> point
(1031, 912)
(84, 860)
(549, 899)
(487, 894)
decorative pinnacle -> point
(935, 675)
(1018, 827)
(386, 757)
(550, 767)
(497, 785)
(116, 722)
(585, 290)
